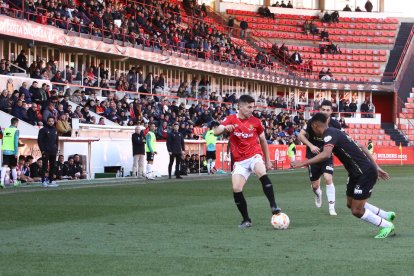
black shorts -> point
(360, 187)
(150, 156)
(211, 155)
(317, 170)
(9, 160)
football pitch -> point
(189, 227)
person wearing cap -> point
(175, 147)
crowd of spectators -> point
(158, 26)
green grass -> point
(190, 228)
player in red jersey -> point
(248, 146)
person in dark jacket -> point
(175, 146)
(48, 144)
(243, 26)
(138, 151)
(368, 6)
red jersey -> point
(244, 140)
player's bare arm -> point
(381, 173)
(263, 144)
(220, 129)
(324, 155)
(304, 139)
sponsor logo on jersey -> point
(357, 190)
(328, 138)
(243, 135)
(329, 168)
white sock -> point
(209, 165)
(3, 175)
(374, 219)
(330, 194)
(149, 170)
(376, 210)
(213, 164)
(14, 174)
(318, 191)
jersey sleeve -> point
(330, 137)
(259, 127)
(227, 121)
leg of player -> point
(3, 175)
(330, 193)
(170, 165)
(316, 188)
(260, 171)
(209, 165)
(238, 182)
(390, 216)
(358, 209)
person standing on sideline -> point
(314, 145)
(363, 173)
(10, 151)
(292, 150)
(138, 151)
(151, 150)
(175, 147)
(48, 141)
(370, 147)
(248, 145)
(211, 141)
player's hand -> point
(383, 174)
(315, 149)
(296, 165)
(269, 166)
(229, 128)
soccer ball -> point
(280, 221)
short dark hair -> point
(14, 120)
(319, 118)
(326, 103)
(246, 99)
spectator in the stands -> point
(23, 90)
(358, 9)
(50, 111)
(347, 8)
(230, 24)
(324, 35)
(243, 26)
(289, 5)
(297, 58)
(19, 111)
(282, 4)
(63, 127)
(34, 115)
(22, 60)
(368, 6)
(5, 102)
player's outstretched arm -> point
(304, 139)
(325, 154)
(220, 129)
(381, 173)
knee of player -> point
(357, 212)
(237, 189)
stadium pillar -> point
(266, 3)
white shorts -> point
(246, 167)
